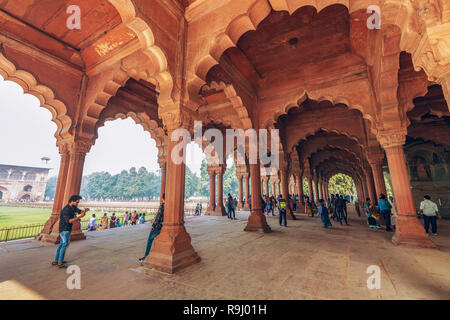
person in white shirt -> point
(92, 225)
(430, 213)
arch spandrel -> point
(45, 95)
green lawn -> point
(18, 216)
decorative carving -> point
(176, 119)
(392, 138)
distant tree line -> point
(142, 184)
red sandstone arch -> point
(148, 63)
(322, 96)
(45, 95)
(392, 14)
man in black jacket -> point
(67, 217)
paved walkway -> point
(302, 261)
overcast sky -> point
(27, 135)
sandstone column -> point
(256, 220)
(408, 229)
(241, 198)
(172, 249)
(316, 192)
(58, 202)
(212, 191)
(378, 177)
(247, 191)
(163, 181)
(78, 151)
(370, 186)
(220, 209)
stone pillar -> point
(378, 177)
(74, 176)
(219, 210)
(241, 197)
(316, 192)
(163, 181)
(301, 204)
(370, 186)
(46, 233)
(408, 229)
(212, 192)
(257, 219)
(266, 183)
(247, 191)
(172, 249)
(285, 192)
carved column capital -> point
(392, 138)
(176, 118)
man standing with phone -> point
(67, 217)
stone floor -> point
(302, 261)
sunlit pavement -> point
(302, 261)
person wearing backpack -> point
(282, 206)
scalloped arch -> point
(45, 95)
(333, 100)
(313, 133)
(141, 118)
(397, 14)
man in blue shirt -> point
(385, 210)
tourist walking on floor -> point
(430, 213)
(385, 210)
(67, 217)
(155, 229)
(340, 213)
(232, 212)
(324, 214)
(282, 206)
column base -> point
(219, 211)
(209, 211)
(257, 222)
(246, 207)
(409, 231)
(172, 250)
(290, 215)
(48, 238)
(54, 237)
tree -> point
(191, 184)
(341, 184)
(230, 182)
(203, 186)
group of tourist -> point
(114, 222)
(386, 210)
